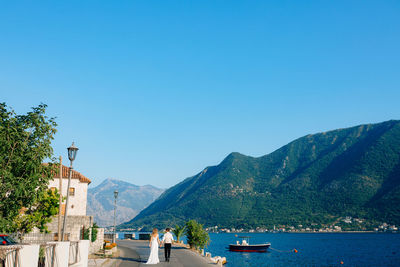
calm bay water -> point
(316, 249)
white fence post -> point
(29, 255)
(83, 254)
(58, 254)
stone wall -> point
(75, 226)
(98, 244)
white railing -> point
(37, 238)
(57, 254)
(50, 254)
(9, 254)
(19, 255)
(74, 255)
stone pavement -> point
(100, 262)
(127, 257)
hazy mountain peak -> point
(131, 200)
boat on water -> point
(245, 246)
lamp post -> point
(72, 150)
(115, 209)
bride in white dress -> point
(154, 243)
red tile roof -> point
(74, 175)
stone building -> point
(77, 220)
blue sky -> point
(154, 91)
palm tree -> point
(179, 231)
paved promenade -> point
(134, 253)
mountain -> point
(131, 200)
(314, 179)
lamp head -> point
(72, 150)
(116, 193)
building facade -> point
(77, 220)
(78, 191)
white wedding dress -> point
(153, 258)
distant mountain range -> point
(314, 179)
(131, 200)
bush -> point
(86, 233)
(179, 231)
(94, 232)
(197, 237)
(107, 244)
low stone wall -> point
(98, 244)
(75, 225)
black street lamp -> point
(115, 208)
(72, 150)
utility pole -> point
(71, 155)
(115, 209)
(60, 200)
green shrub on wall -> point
(86, 233)
(94, 232)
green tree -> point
(197, 237)
(38, 215)
(25, 142)
(179, 231)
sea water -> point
(313, 249)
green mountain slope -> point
(316, 178)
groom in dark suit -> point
(167, 241)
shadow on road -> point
(178, 248)
(128, 259)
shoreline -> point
(299, 232)
(305, 232)
(338, 232)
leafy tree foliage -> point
(24, 144)
(38, 215)
(197, 237)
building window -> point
(53, 189)
(72, 191)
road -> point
(134, 253)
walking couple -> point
(155, 242)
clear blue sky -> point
(154, 91)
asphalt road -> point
(134, 253)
